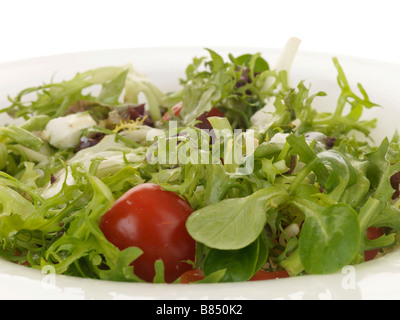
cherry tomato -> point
(153, 220)
(266, 275)
(191, 276)
(372, 233)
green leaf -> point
(159, 269)
(330, 237)
(355, 194)
(307, 156)
(339, 124)
(234, 223)
(269, 150)
(217, 61)
(263, 250)
(37, 123)
(389, 217)
(236, 88)
(214, 277)
(380, 170)
(218, 183)
(112, 90)
(123, 270)
(299, 104)
(22, 137)
(256, 62)
(3, 156)
(54, 99)
(123, 180)
(220, 124)
(239, 264)
(341, 173)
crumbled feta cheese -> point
(112, 152)
(296, 123)
(291, 231)
(64, 132)
(279, 138)
(311, 136)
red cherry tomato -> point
(191, 276)
(372, 233)
(153, 220)
(266, 275)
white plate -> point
(378, 279)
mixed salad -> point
(235, 176)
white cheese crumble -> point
(64, 132)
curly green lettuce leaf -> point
(338, 123)
(62, 231)
(235, 87)
(54, 99)
(136, 84)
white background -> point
(31, 28)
